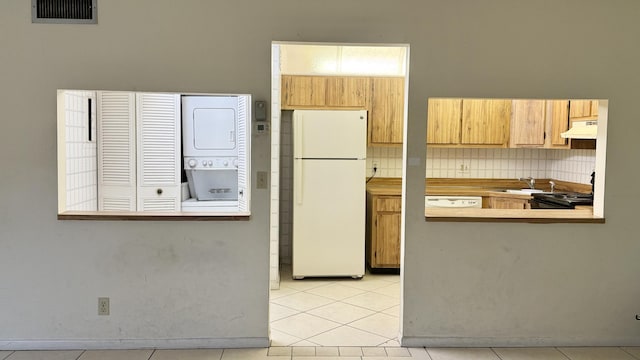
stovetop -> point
(564, 199)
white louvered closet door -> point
(158, 125)
(116, 151)
(244, 151)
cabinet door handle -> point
(159, 191)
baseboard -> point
(409, 341)
(119, 344)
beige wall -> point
(206, 283)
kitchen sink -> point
(523, 191)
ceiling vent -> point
(64, 11)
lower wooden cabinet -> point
(508, 203)
(383, 231)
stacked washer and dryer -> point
(215, 148)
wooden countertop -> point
(393, 186)
(583, 214)
(489, 187)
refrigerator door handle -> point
(298, 180)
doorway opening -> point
(336, 311)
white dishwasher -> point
(433, 201)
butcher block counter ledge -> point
(487, 188)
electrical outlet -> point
(261, 182)
(103, 306)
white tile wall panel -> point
(274, 236)
(81, 160)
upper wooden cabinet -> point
(501, 123)
(382, 97)
(528, 123)
(557, 123)
(443, 121)
(386, 117)
(583, 109)
(348, 92)
(485, 122)
(468, 122)
(539, 123)
(594, 108)
(303, 91)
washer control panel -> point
(208, 163)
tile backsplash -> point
(568, 165)
(573, 165)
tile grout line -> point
(347, 325)
(10, 353)
(630, 354)
(386, 282)
(334, 302)
(561, 352)
(79, 356)
(428, 354)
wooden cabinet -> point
(325, 92)
(383, 231)
(501, 123)
(557, 123)
(382, 97)
(485, 121)
(539, 123)
(527, 123)
(468, 122)
(345, 91)
(508, 203)
(594, 108)
(386, 119)
(443, 121)
(583, 109)
(303, 91)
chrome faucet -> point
(553, 185)
(530, 181)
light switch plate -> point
(262, 182)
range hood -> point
(582, 130)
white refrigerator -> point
(329, 179)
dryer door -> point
(214, 129)
(210, 126)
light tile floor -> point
(335, 312)
(338, 353)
